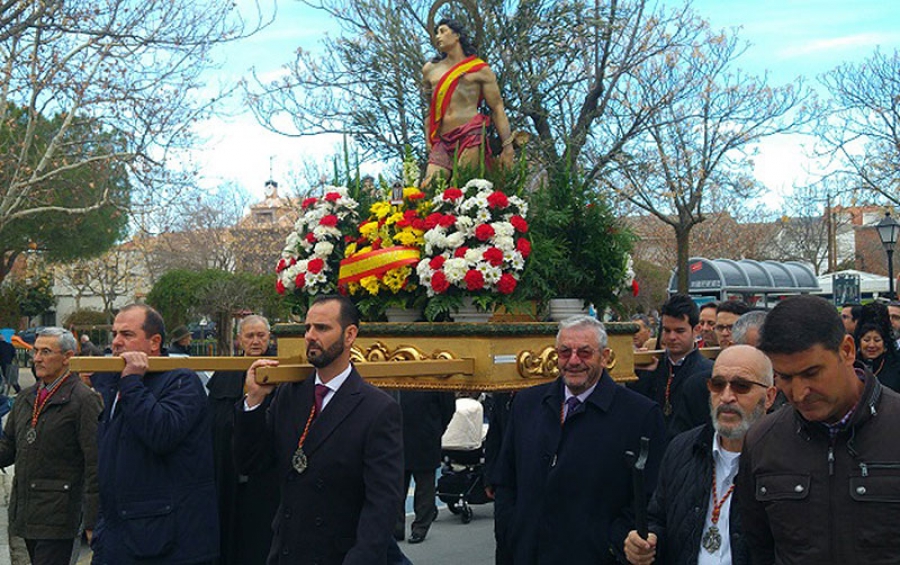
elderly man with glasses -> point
(563, 491)
(51, 436)
(699, 468)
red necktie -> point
(42, 395)
(321, 392)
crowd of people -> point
(778, 451)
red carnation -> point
(419, 224)
(315, 266)
(436, 262)
(519, 223)
(402, 223)
(330, 221)
(453, 194)
(332, 196)
(439, 282)
(376, 245)
(279, 287)
(282, 265)
(497, 200)
(300, 281)
(506, 284)
(409, 215)
(460, 252)
(523, 246)
(307, 202)
(293, 261)
(484, 232)
(432, 219)
(447, 221)
(494, 256)
(416, 195)
(310, 237)
(474, 280)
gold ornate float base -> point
(423, 356)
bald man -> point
(699, 468)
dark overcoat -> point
(157, 491)
(564, 492)
(247, 504)
(342, 509)
(425, 417)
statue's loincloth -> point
(449, 145)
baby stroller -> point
(462, 460)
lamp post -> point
(888, 230)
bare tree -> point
(115, 274)
(131, 70)
(692, 158)
(862, 130)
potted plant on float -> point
(580, 249)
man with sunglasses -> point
(820, 482)
(562, 488)
(699, 468)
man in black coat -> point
(684, 405)
(564, 492)
(691, 520)
(425, 417)
(336, 443)
(247, 504)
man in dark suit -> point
(337, 444)
(678, 381)
(563, 490)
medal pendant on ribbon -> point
(667, 410)
(298, 461)
(31, 435)
(712, 540)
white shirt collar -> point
(335, 383)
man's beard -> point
(325, 357)
(747, 420)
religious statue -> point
(460, 81)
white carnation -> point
(323, 249)
(455, 269)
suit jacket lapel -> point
(339, 408)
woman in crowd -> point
(874, 347)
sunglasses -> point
(738, 386)
(583, 353)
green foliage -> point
(579, 249)
(61, 236)
(86, 317)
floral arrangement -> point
(312, 253)
(475, 241)
(388, 246)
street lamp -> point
(888, 230)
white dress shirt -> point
(726, 463)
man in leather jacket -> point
(819, 480)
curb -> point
(5, 490)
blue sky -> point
(789, 39)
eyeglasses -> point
(724, 328)
(43, 352)
(583, 353)
(738, 386)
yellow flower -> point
(350, 250)
(380, 209)
(367, 229)
(370, 284)
(365, 249)
(406, 237)
(353, 288)
(395, 278)
(393, 219)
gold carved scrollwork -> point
(537, 366)
(380, 352)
